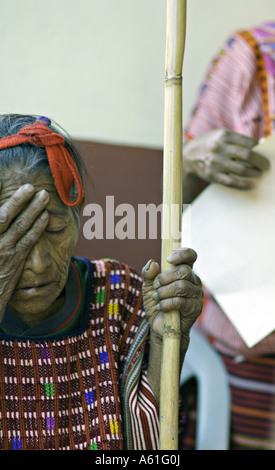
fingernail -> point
(43, 195)
(147, 267)
(27, 188)
(44, 216)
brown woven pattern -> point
(64, 394)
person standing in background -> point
(234, 110)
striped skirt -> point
(252, 383)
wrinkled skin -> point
(38, 234)
(177, 288)
(37, 237)
(223, 157)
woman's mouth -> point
(32, 290)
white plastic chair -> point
(214, 399)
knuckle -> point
(221, 136)
(20, 225)
(224, 134)
(244, 154)
(161, 279)
(15, 201)
(243, 170)
(23, 245)
(213, 150)
(6, 245)
(213, 162)
(176, 303)
(188, 270)
(214, 147)
(167, 305)
(181, 288)
(30, 238)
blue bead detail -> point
(89, 397)
(103, 357)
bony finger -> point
(34, 233)
(170, 305)
(150, 271)
(241, 168)
(247, 155)
(175, 273)
(43, 196)
(155, 295)
(29, 214)
(21, 195)
(234, 181)
(183, 256)
(180, 288)
(234, 138)
(189, 308)
(259, 161)
(10, 209)
(44, 217)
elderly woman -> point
(74, 368)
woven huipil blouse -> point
(86, 389)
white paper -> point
(233, 233)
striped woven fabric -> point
(238, 91)
(64, 393)
(253, 402)
(253, 405)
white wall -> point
(97, 67)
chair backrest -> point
(214, 399)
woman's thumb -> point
(150, 271)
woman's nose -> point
(38, 259)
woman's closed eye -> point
(55, 230)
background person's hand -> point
(224, 157)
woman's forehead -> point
(39, 182)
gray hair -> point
(29, 158)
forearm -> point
(154, 364)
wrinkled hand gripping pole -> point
(172, 194)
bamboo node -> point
(171, 332)
(176, 79)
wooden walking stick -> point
(172, 194)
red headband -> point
(62, 165)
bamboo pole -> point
(172, 194)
